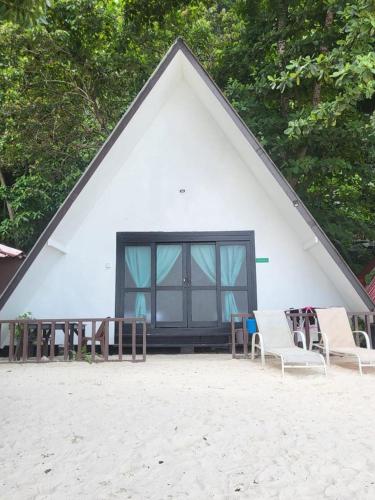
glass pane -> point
(138, 304)
(169, 305)
(233, 302)
(203, 264)
(204, 305)
(233, 265)
(169, 265)
(137, 267)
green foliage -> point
(348, 68)
(24, 12)
(85, 355)
(300, 73)
(18, 329)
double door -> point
(186, 284)
(186, 296)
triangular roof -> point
(180, 45)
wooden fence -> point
(27, 336)
(299, 321)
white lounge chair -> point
(276, 339)
(338, 338)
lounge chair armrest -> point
(324, 345)
(367, 338)
(303, 338)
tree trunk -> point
(99, 116)
(323, 49)
(8, 204)
(281, 44)
(281, 24)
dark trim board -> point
(216, 340)
(240, 124)
(167, 237)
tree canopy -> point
(299, 72)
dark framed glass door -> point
(185, 285)
(185, 281)
(137, 278)
(234, 264)
(201, 276)
(170, 297)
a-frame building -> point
(183, 217)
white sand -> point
(188, 426)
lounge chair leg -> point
(282, 367)
(360, 367)
(328, 361)
(324, 365)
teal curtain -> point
(138, 260)
(166, 256)
(204, 256)
(232, 258)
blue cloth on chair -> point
(251, 326)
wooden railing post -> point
(79, 347)
(39, 341)
(11, 341)
(120, 339)
(294, 320)
(52, 342)
(93, 342)
(356, 327)
(106, 341)
(233, 331)
(307, 331)
(368, 328)
(66, 340)
(245, 337)
(355, 322)
(144, 339)
(134, 341)
(25, 341)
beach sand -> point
(185, 426)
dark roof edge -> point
(179, 44)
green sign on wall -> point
(262, 260)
